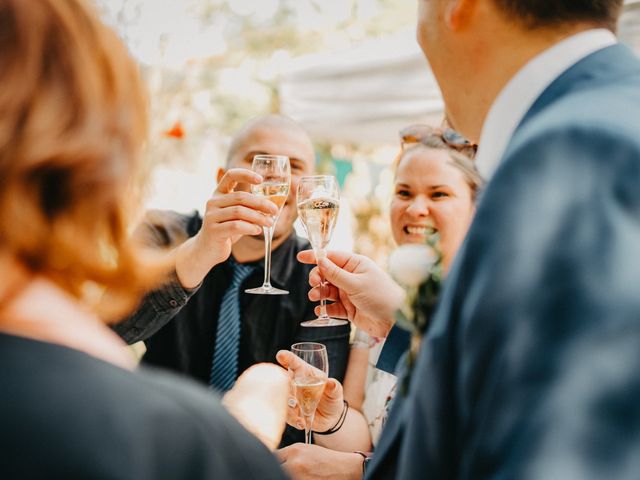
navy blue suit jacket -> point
(531, 368)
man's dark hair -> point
(548, 13)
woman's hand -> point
(313, 462)
(331, 403)
(361, 290)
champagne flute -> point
(309, 382)
(276, 174)
(318, 201)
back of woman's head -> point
(73, 120)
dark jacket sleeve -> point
(155, 311)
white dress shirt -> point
(518, 96)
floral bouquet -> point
(418, 268)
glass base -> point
(266, 291)
(324, 322)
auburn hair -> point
(73, 121)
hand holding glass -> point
(276, 174)
(309, 382)
(318, 200)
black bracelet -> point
(339, 423)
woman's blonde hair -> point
(72, 124)
(461, 152)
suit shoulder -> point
(583, 138)
(600, 110)
(570, 163)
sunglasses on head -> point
(423, 133)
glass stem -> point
(308, 421)
(268, 236)
(322, 253)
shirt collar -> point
(517, 97)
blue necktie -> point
(225, 355)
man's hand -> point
(228, 216)
(313, 462)
(258, 400)
(362, 292)
(331, 403)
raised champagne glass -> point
(309, 382)
(318, 199)
(276, 174)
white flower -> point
(411, 264)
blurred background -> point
(349, 71)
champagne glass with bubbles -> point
(318, 200)
(309, 382)
(276, 174)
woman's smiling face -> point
(431, 195)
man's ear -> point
(220, 174)
(459, 13)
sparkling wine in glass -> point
(276, 174)
(309, 382)
(318, 201)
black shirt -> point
(179, 326)
(67, 415)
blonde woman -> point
(435, 189)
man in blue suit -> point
(531, 366)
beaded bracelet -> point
(339, 423)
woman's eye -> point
(403, 193)
(439, 195)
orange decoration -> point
(176, 131)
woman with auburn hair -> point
(71, 403)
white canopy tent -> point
(362, 95)
(365, 94)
